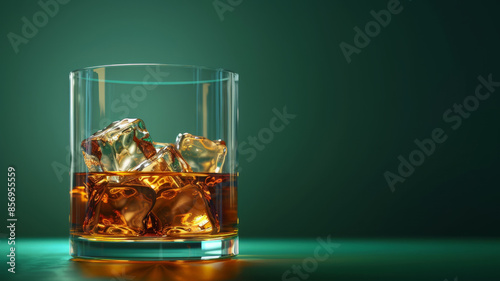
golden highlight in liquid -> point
(153, 205)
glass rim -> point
(180, 66)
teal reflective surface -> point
(265, 259)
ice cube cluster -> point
(127, 146)
(157, 202)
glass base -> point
(154, 250)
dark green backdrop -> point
(324, 173)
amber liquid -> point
(92, 219)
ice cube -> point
(168, 158)
(157, 181)
(182, 211)
(119, 147)
(159, 145)
(121, 210)
(202, 154)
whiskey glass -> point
(153, 162)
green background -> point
(323, 174)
